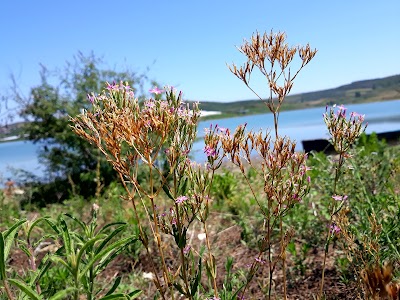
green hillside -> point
(372, 90)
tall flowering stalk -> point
(343, 133)
(132, 135)
(283, 170)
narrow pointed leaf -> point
(105, 252)
(62, 294)
(166, 190)
(85, 246)
(48, 220)
(115, 285)
(109, 237)
(111, 224)
(2, 258)
(135, 294)
(25, 289)
(66, 237)
(80, 223)
(115, 297)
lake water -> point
(300, 125)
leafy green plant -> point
(79, 257)
(300, 256)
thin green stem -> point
(333, 212)
(142, 235)
(210, 257)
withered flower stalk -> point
(273, 57)
(282, 169)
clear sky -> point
(188, 43)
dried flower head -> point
(343, 132)
(129, 133)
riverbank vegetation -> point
(258, 220)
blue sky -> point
(188, 43)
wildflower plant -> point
(343, 133)
(134, 135)
(275, 159)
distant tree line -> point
(72, 164)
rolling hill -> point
(372, 90)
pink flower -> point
(150, 104)
(259, 260)
(334, 228)
(112, 87)
(90, 98)
(187, 249)
(339, 198)
(181, 199)
(156, 90)
(209, 151)
(222, 129)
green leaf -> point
(106, 260)
(13, 229)
(109, 237)
(6, 240)
(2, 258)
(111, 224)
(66, 237)
(135, 294)
(62, 294)
(115, 296)
(25, 289)
(179, 288)
(85, 246)
(105, 252)
(25, 250)
(48, 220)
(183, 188)
(166, 190)
(80, 223)
(57, 259)
(115, 285)
(196, 282)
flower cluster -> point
(343, 132)
(283, 169)
(129, 133)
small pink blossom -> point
(156, 90)
(222, 129)
(112, 87)
(259, 260)
(187, 249)
(181, 199)
(334, 228)
(308, 179)
(150, 104)
(339, 198)
(209, 151)
(90, 98)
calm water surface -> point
(300, 125)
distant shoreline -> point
(13, 138)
